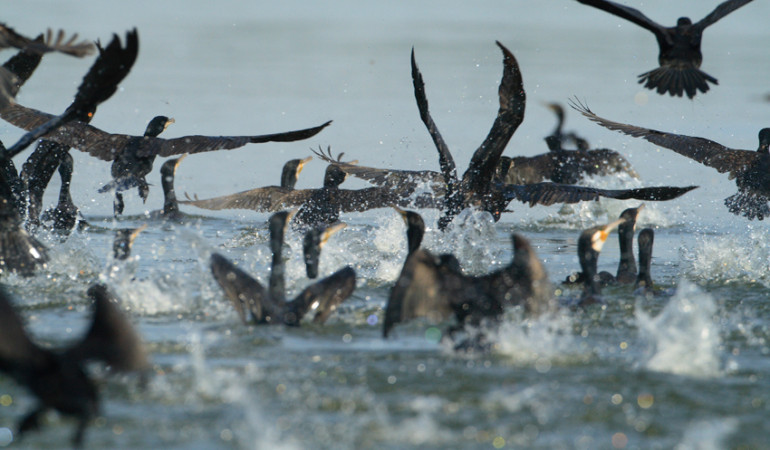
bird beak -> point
(330, 231)
(302, 164)
(291, 215)
(135, 233)
(400, 211)
(605, 232)
(179, 160)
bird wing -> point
(53, 42)
(17, 351)
(249, 298)
(261, 199)
(550, 193)
(720, 11)
(445, 159)
(111, 338)
(322, 297)
(24, 63)
(509, 116)
(706, 152)
(628, 13)
(530, 169)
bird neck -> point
(414, 235)
(627, 263)
(288, 178)
(277, 287)
(169, 196)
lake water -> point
(688, 370)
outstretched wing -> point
(720, 11)
(53, 43)
(262, 199)
(706, 152)
(626, 12)
(247, 295)
(550, 193)
(322, 297)
(509, 116)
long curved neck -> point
(646, 238)
(588, 262)
(288, 177)
(627, 264)
(414, 235)
(169, 197)
(277, 288)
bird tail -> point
(748, 205)
(677, 79)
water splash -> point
(540, 341)
(683, 339)
(735, 257)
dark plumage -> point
(626, 273)
(560, 139)
(65, 216)
(750, 169)
(644, 278)
(124, 240)
(435, 287)
(680, 56)
(170, 209)
(58, 378)
(9, 80)
(590, 244)
(264, 199)
(315, 239)
(482, 185)
(257, 305)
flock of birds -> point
(429, 286)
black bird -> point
(558, 137)
(124, 240)
(114, 64)
(58, 378)
(419, 290)
(435, 287)
(750, 169)
(170, 209)
(626, 273)
(9, 81)
(644, 278)
(482, 184)
(111, 66)
(133, 156)
(257, 305)
(19, 252)
(65, 216)
(264, 199)
(590, 244)
(680, 56)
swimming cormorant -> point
(315, 239)
(261, 306)
(750, 169)
(590, 244)
(626, 273)
(262, 199)
(680, 56)
(58, 378)
(124, 241)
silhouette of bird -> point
(750, 169)
(680, 56)
(58, 378)
(261, 306)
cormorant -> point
(590, 244)
(124, 240)
(626, 273)
(133, 156)
(41, 164)
(170, 209)
(558, 138)
(482, 184)
(435, 287)
(262, 199)
(58, 378)
(315, 239)
(261, 306)
(750, 169)
(680, 56)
